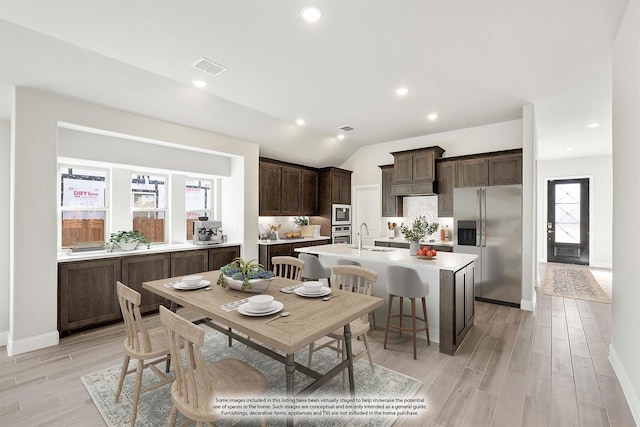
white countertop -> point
(293, 240)
(68, 256)
(443, 260)
(423, 242)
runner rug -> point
(573, 281)
(154, 406)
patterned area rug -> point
(154, 406)
(573, 281)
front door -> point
(568, 221)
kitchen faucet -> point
(360, 235)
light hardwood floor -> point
(547, 368)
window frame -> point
(166, 210)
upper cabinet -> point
(502, 168)
(335, 188)
(391, 205)
(287, 189)
(446, 173)
(414, 171)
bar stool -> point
(348, 262)
(405, 282)
(313, 269)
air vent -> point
(345, 128)
(208, 66)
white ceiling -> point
(472, 62)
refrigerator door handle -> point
(479, 217)
(484, 217)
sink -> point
(375, 249)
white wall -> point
(33, 318)
(624, 351)
(5, 144)
(599, 170)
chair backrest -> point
(287, 267)
(137, 334)
(313, 268)
(193, 387)
(355, 279)
(342, 261)
(405, 282)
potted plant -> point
(127, 240)
(248, 276)
(306, 230)
(420, 228)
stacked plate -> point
(189, 287)
(303, 292)
(247, 310)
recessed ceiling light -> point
(300, 122)
(311, 13)
(402, 91)
(199, 83)
(568, 149)
(593, 125)
(432, 116)
(340, 136)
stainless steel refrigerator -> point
(488, 223)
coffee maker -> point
(208, 233)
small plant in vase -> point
(245, 276)
(419, 229)
(127, 240)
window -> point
(83, 205)
(198, 197)
(149, 205)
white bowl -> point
(191, 280)
(260, 302)
(312, 287)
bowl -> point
(191, 280)
(260, 302)
(312, 287)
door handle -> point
(550, 231)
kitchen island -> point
(450, 304)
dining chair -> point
(197, 383)
(350, 278)
(313, 269)
(141, 344)
(288, 267)
(404, 282)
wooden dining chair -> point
(141, 344)
(288, 267)
(351, 278)
(198, 384)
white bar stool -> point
(405, 282)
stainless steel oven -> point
(341, 234)
(340, 214)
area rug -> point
(573, 281)
(154, 406)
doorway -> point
(568, 221)
(367, 209)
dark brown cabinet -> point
(505, 170)
(446, 173)
(414, 171)
(266, 252)
(222, 256)
(490, 169)
(142, 268)
(287, 189)
(87, 293)
(189, 262)
(391, 205)
(291, 191)
(309, 192)
(473, 172)
(457, 307)
(334, 188)
(270, 189)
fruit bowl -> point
(426, 257)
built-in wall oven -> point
(341, 234)
(340, 214)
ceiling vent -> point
(208, 66)
(345, 128)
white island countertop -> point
(284, 240)
(397, 256)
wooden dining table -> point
(309, 320)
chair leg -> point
(172, 416)
(136, 392)
(167, 367)
(373, 317)
(123, 372)
(366, 345)
(401, 316)
(426, 321)
(413, 325)
(386, 329)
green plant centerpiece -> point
(248, 276)
(127, 240)
(419, 228)
(301, 220)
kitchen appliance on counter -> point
(208, 233)
(488, 223)
(341, 234)
(340, 214)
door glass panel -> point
(567, 213)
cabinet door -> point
(403, 167)
(270, 187)
(87, 293)
(473, 172)
(276, 250)
(391, 205)
(345, 189)
(291, 191)
(143, 268)
(309, 192)
(446, 173)
(321, 242)
(189, 262)
(470, 296)
(505, 170)
(459, 301)
(219, 257)
(336, 192)
(422, 166)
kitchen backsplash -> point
(415, 206)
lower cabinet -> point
(266, 252)
(457, 307)
(87, 294)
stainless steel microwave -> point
(340, 214)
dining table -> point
(309, 319)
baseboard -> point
(607, 265)
(528, 305)
(627, 387)
(4, 338)
(32, 343)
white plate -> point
(276, 307)
(323, 291)
(248, 308)
(185, 287)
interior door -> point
(366, 204)
(568, 221)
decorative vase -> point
(306, 230)
(257, 285)
(128, 246)
(414, 245)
